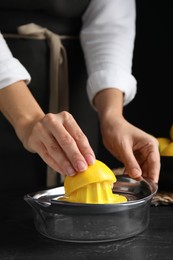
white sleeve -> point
(11, 70)
(107, 38)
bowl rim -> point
(44, 200)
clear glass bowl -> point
(75, 222)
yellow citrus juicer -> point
(92, 186)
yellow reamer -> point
(92, 186)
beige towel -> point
(162, 198)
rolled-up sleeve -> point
(11, 70)
(107, 38)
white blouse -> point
(11, 70)
(107, 38)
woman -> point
(107, 37)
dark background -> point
(151, 109)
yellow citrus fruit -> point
(171, 132)
(163, 143)
(92, 186)
(168, 151)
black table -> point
(19, 239)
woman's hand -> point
(60, 142)
(57, 138)
(136, 149)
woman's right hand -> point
(60, 142)
(57, 138)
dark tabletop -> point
(19, 239)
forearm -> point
(19, 107)
(109, 104)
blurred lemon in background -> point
(171, 132)
(166, 144)
(168, 151)
(163, 143)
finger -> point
(49, 150)
(44, 154)
(131, 165)
(65, 140)
(60, 165)
(54, 154)
(151, 164)
(73, 141)
(81, 140)
(154, 165)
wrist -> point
(109, 103)
(20, 108)
(24, 126)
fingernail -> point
(90, 159)
(70, 171)
(81, 166)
